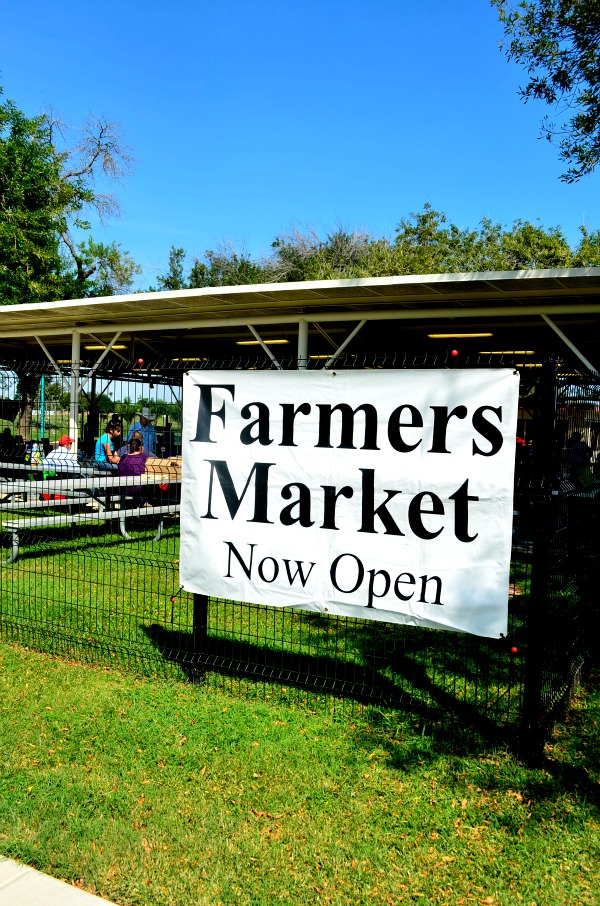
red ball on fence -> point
(140, 361)
(514, 649)
(454, 353)
(172, 600)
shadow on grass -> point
(569, 769)
(572, 758)
(410, 691)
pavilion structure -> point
(531, 313)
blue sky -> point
(247, 119)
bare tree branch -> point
(100, 148)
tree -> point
(306, 256)
(46, 189)
(174, 278)
(102, 404)
(170, 410)
(527, 246)
(54, 393)
(126, 409)
(227, 266)
(31, 209)
(587, 253)
(100, 269)
(558, 42)
(425, 242)
(96, 156)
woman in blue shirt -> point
(107, 459)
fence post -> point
(199, 636)
(545, 465)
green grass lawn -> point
(157, 792)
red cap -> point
(65, 439)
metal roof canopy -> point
(493, 294)
(490, 296)
(420, 299)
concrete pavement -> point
(24, 886)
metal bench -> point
(89, 499)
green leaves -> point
(425, 243)
(44, 191)
(29, 209)
(558, 43)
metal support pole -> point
(199, 636)
(42, 406)
(533, 723)
(302, 344)
(74, 404)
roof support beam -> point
(571, 345)
(413, 314)
(109, 346)
(264, 346)
(49, 357)
(341, 348)
(148, 345)
(100, 357)
(324, 333)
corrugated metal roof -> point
(450, 295)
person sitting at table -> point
(148, 431)
(134, 463)
(124, 449)
(107, 459)
(62, 459)
(7, 445)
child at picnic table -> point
(107, 459)
(124, 448)
(133, 463)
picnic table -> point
(93, 497)
(37, 470)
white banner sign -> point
(377, 494)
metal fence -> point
(564, 523)
(96, 578)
